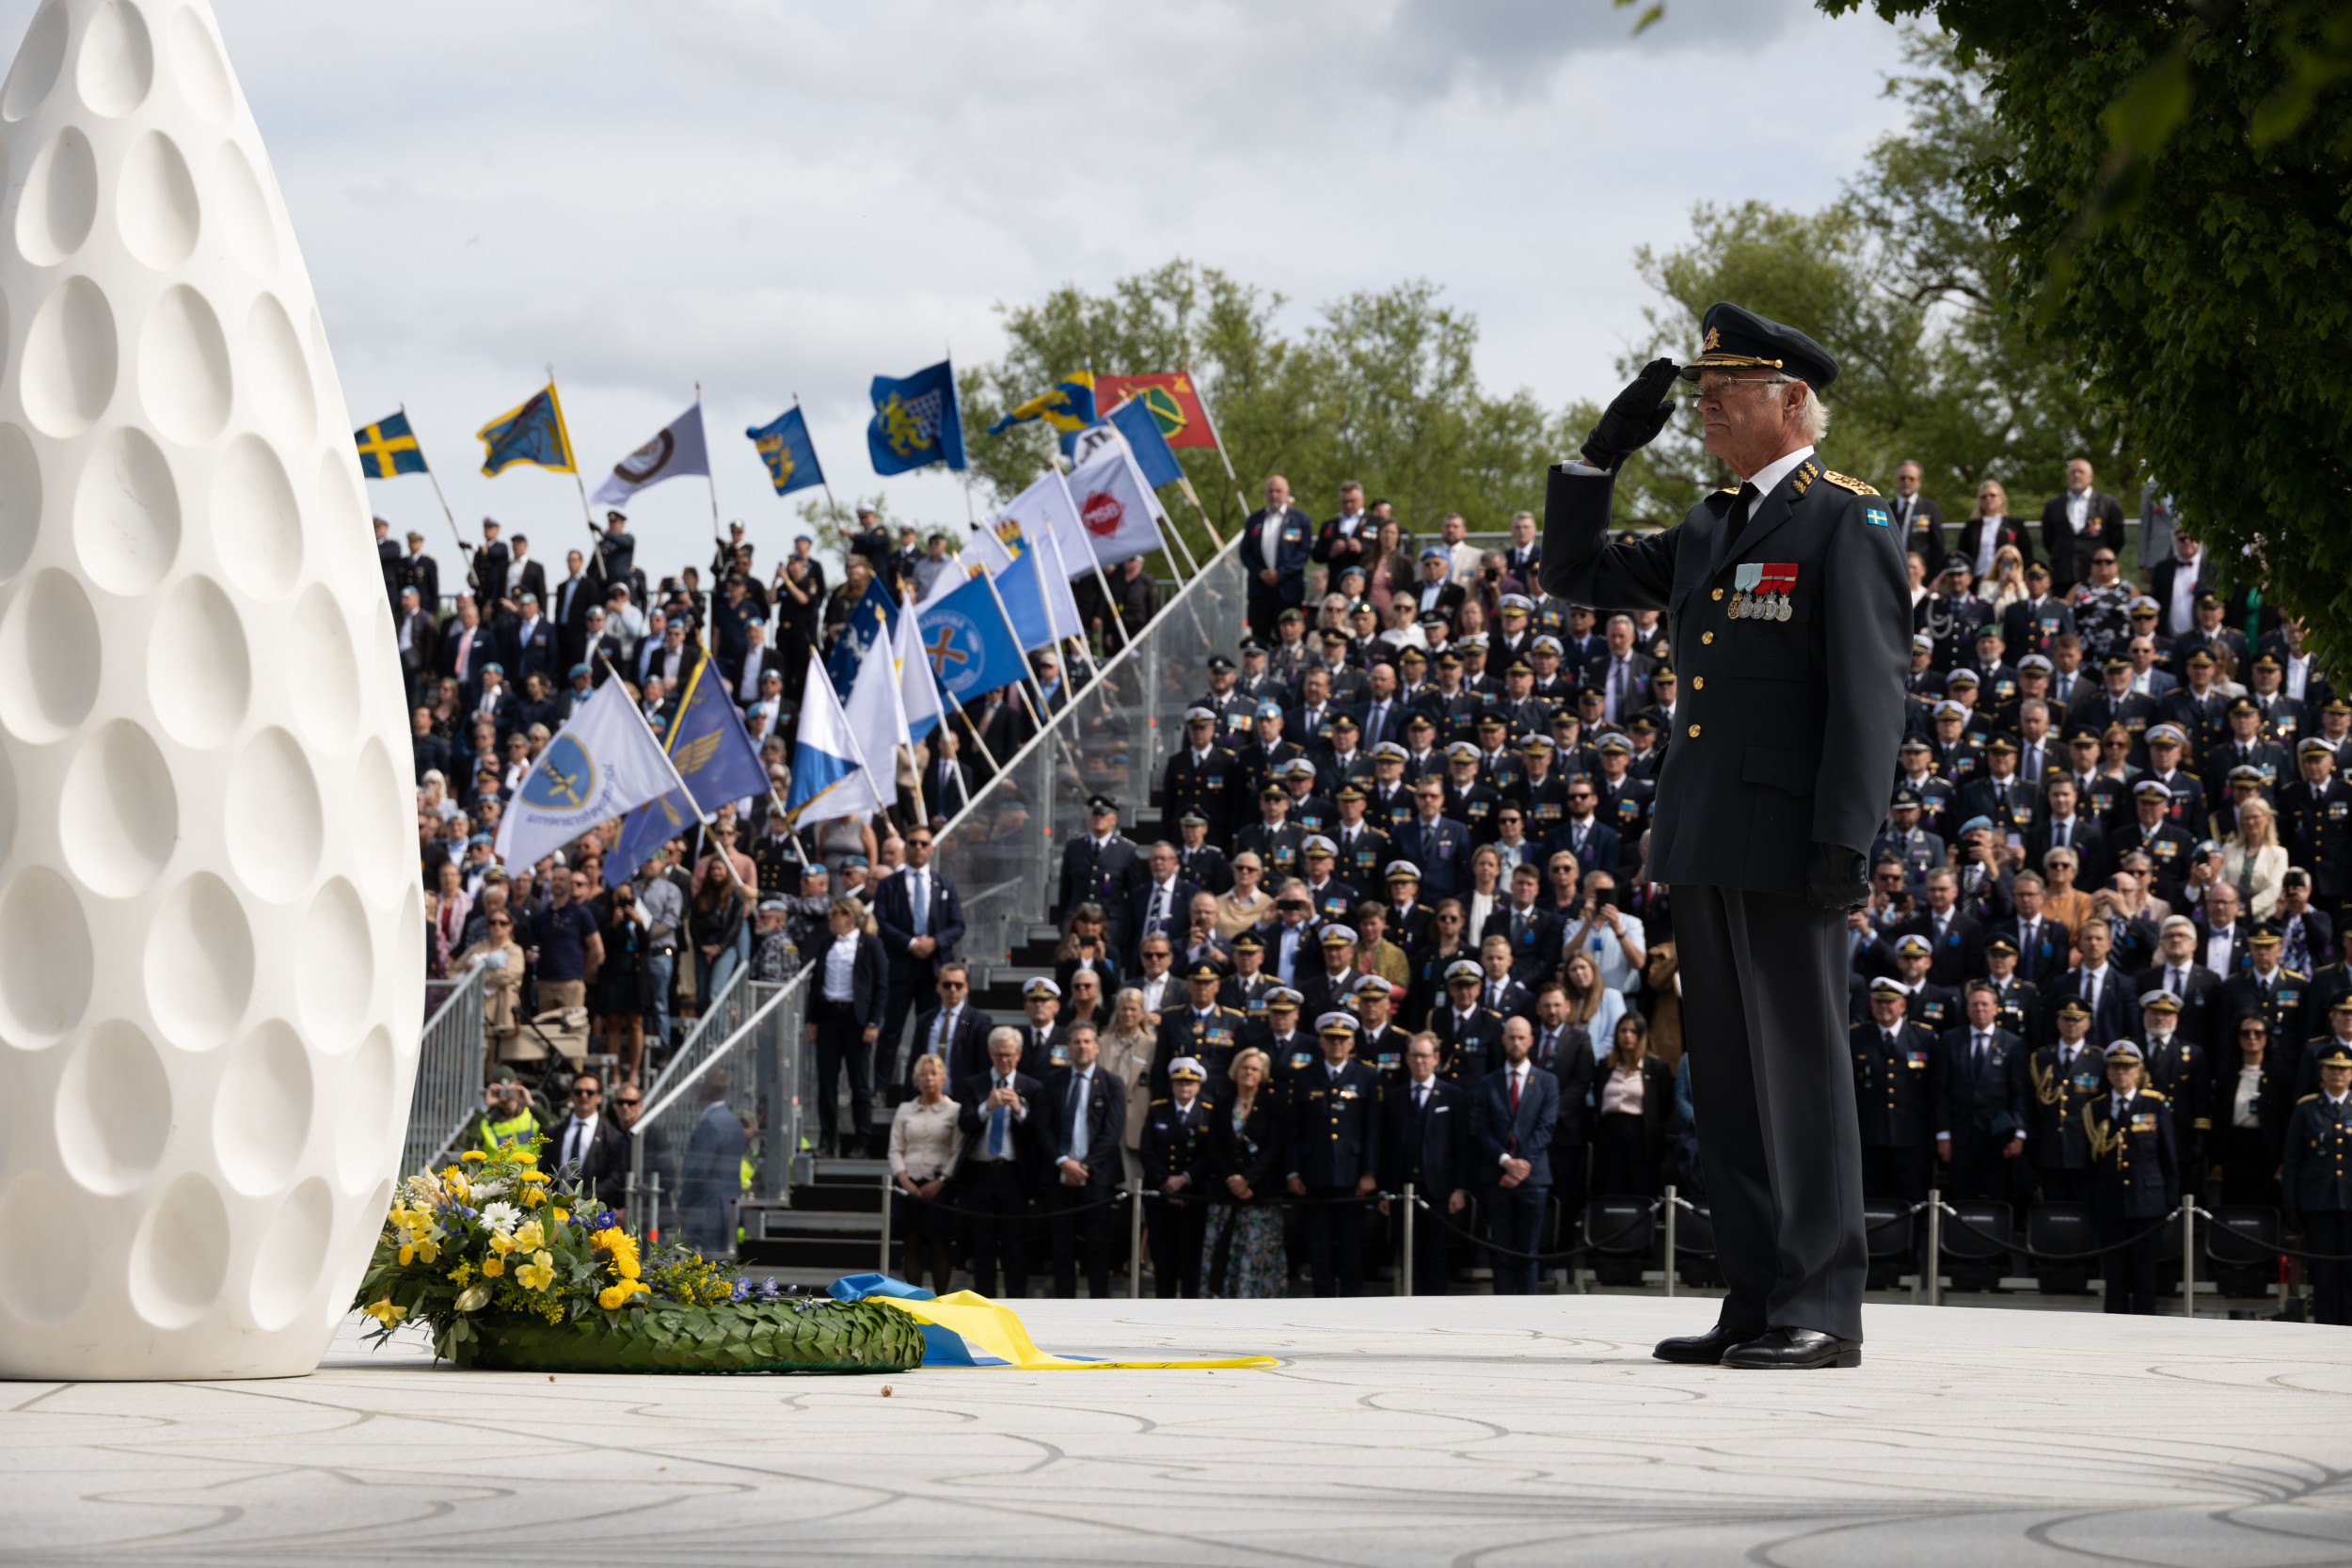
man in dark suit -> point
(1977, 1131)
(1007, 1133)
(1158, 902)
(2176, 602)
(2180, 969)
(954, 1030)
(1918, 521)
(2061, 823)
(529, 641)
(2074, 523)
(921, 918)
(524, 574)
(1785, 744)
(1085, 1108)
(421, 572)
(1518, 1112)
(574, 597)
(2043, 944)
(1275, 545)
(1427, 1141)
(388, 561)
(419, 638)
(487, 569)
(1956, 938)
(467, 648)
(1334, 1148)
(2099, 985)
(591, 1144)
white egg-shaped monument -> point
(211, 922)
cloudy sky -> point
(774, 197)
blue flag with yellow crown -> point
(785, 446)
(915, 421)
(531, 432)
(389, 447)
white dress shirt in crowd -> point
(840, 967)
(2217, 945)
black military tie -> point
(1739, 510)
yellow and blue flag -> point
(531, 432)
(791, 457)
(712, 751)
(916, 422)
(966, 1329)
(1068, 404)
(389, 447)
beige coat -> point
(1131, 1060)
(501, 988)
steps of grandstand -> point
(833, 1227)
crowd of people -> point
(1395, 928)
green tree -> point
(2174, 214)
(1381, 388)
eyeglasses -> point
(579, 1093)
(2103, 561)
(953, 985)
(629, 1100)
(918, 844)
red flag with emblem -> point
(1170, 397)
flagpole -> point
(1216, 436)
(683, 788)
(587, 513)
(437, 488)
(709, 474)
(1110, 600)
(921, 814)
(1027, 673)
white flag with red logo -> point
(1118, 516)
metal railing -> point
(688, 1168)
(716, 1022)
(1004, 849)
(449, 1068)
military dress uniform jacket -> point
(2050, 1088)
(1334, 1124)
(1176, 1142)
(2136, 1165)
(2315, 1174)
(1214, 786)
(2181, 1071)
(1099, 874)
(1212, 1040)
(1895, 1090)
(1786, 730)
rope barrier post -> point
(1134, 1238)
(1671, 1201)
(1405, 1275)
(653, 1217)
(1935, 1246)
(2188, 1258)
(628, 1201)
(885, 1220)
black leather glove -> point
(1635, 420)
(1833, 879)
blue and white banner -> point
(829, 772)
(970, 647)
(602, 763)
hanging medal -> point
(1776, 578)
(1745, 604)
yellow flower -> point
(563, 1216)
(502, 1244)
(407, 1256)
(385, 1312)
(531, 1197)
(493, 1267)
(473, 1156)
(525, 1157)
(462, 1273)
(427, 1249)
(538, 1273)
(534, 1175)
(530, 1236)
(613, 1296)
(625, 1266)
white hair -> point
(1812, 414)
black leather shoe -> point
(1794, 1349)
(1701, 1350)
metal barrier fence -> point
(688, 1167)
(716, 1022)
(449, 1068)
(1003, 849)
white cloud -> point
(776, 198)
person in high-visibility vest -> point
(507, 1119)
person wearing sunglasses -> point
(590, 1145)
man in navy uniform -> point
(1175, 1168)
(1101, 867)
(1204, 777)
(1335, 1155)
(1895, 1075)
(2316, 1183)
(1791, 618)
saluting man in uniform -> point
(2315, 1182)
(1791, 614)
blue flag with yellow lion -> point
(916, 422)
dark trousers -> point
(1433, 1244)
(1621, 1163)
(1893, 1175)
(1177, 1227)
(2328, 1233)
(1515, 1218)
(2249, 1172)
(840, 1043)
(904, 984)
(1978, 1168)
(1000, 1200)
(1335, 1240)
(2130, 1272)
(1764, 1022)
(1088, 1230)
(1263, 608)
(2056, 1185)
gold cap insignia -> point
(1714, 336)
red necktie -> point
(1515, 1096)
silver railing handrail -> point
(1008, 766)
(718, 1052)
(711, 1010)
(430, 1103)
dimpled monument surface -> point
(211, 925)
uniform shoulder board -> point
(2152, 1094)
(2292, 973)
(1231, 1012)
(1728, 490)
(1159, 1103)
(1848, 481)
(2306, 1099)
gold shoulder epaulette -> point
(1728, 490)
(2155, 1095)
(1848, 481)
(1159, 1103)
(2292, 973)
(2307, 1099)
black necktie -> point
(1739, 510)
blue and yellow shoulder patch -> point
(1877, 516)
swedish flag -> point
(1068, 404)
(532, 433)
(389, 447)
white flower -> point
(482, 1192)
(502, 1217)
(425, 1190)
